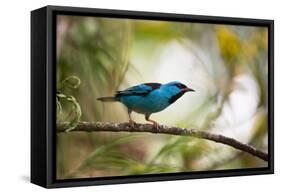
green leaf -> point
(78, 113)
(69, 82)
(170, 147)
(103, 151)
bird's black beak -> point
(188, 90)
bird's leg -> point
(131, 122)
(155, 124)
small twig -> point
(125, 127)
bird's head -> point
(177, 87)
(175, 90)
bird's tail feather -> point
(107, 99)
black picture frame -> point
(43, 90)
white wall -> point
(15, 89)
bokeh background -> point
(227, 65)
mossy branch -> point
(125, 127)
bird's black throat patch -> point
(175, 97)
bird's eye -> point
(181, 86)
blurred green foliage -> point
(71, 82)
(97, 56)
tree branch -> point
(125, 127)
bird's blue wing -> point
(139, 90)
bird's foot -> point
(132, 123)
(155, 124)
(156, 127)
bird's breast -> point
(153, 102)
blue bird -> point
(149, 98)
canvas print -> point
(142, 97)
